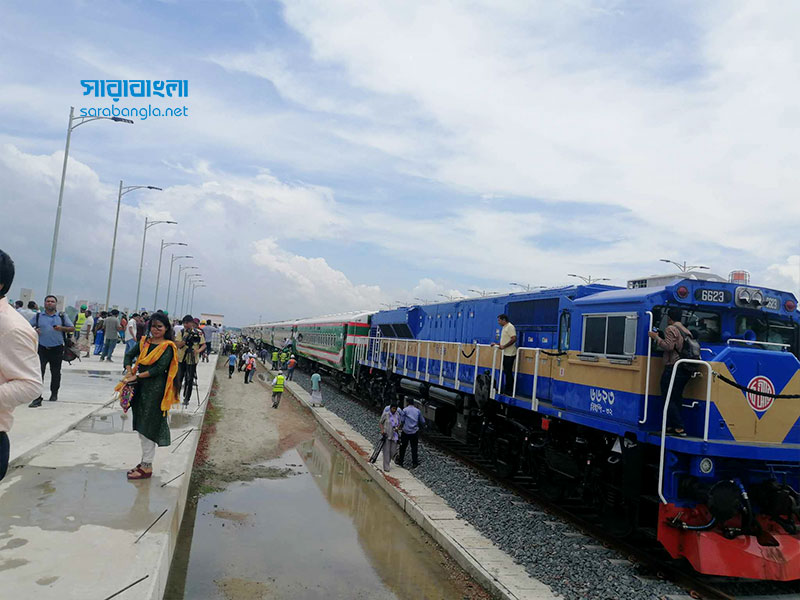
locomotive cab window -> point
(705, 325)
(563, 336)
(609, 334)
(764, 329)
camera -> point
(192, 337)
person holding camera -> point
(390, 426)
(190, 343)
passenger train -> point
(585, 414)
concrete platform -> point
(71, 524)
(476, 554)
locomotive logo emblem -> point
(757, 402)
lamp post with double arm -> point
(122, 191)
(181, 269)
(187, 280)
(169, 284)
(158, 275)
(147, 225)
(74, 123)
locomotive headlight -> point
(758, 298)
(706, 466)
(744, 296)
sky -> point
(343, 155)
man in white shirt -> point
(130, 332)
(508, 345)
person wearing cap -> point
(190, 344)
(85, 341)
(290, 368)
(79, 321)
(389, 425)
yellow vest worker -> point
(79, 321)
(277, 390)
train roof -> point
(343, 317)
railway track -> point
(649, 558)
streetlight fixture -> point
(423, 300)
(481, 293)
(588, 279)
(169, 285)
(186, 279)
(74, 123)
(122, 191)
(158, 275)
(683, 267)
(527, 287)
(450, 297)
(147, 225)
(181, 268)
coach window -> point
(609, 334)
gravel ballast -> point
(550, 549)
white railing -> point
(667, 400)
(751, 342)
(372, 353)
(647, 373)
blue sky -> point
(342, 154)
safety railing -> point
(647, 371)
(752, 342)
(378, 352)
(383, 353)
(667, 400)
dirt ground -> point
(242, 429)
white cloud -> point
(309, 284)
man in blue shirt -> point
(232, 358)
(52, 328)
(412, 421)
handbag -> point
(126, 396)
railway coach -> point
(586, 418)
(328, 341)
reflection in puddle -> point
(325, 532)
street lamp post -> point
(481, 293)
(683, 267)
(199, 284)
(169, 285)
(147, 225)
(158, 275)
(74, 123)
(588, 279)
(181, 268)
(422, 300)
(122, 191)
(186, 279)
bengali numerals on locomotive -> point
(602, 401)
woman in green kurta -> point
(154, 392)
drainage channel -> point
(307, 523)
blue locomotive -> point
(584, 413)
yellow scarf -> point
(170, 395)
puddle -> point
(67, 498)
(324, 531)
(107, 421)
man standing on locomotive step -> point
(508, 345)
(672, 345)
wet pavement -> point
(319, 529)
